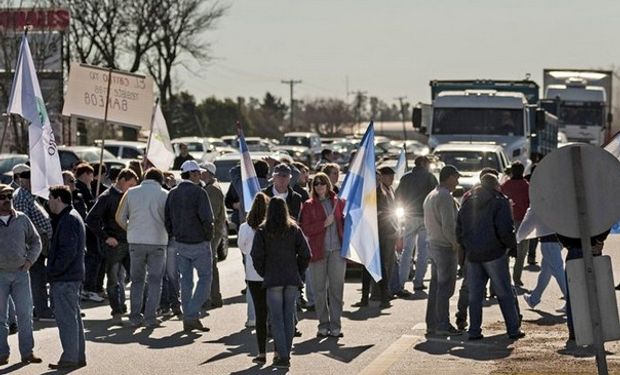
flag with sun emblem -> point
(26, 100)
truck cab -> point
(501, 118)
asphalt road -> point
(376, 341)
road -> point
(376, 341)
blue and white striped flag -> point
(249, 181)
(401, 165)
(360, 242)
(27, 101)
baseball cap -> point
(210, 167)
(20, 168)
(6, 189)
(190, 166)
(282, 170)
(447, 171)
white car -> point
(471, 158)
(200, 148)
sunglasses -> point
(6, 196)
(319, 183)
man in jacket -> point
(21, 246)
(280, 188)
(141, 213)
(216, 198)
(485, 231)
(102, 221)
(189, 220)
(65, 272)
(413, 188)
(440, 211)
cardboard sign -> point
(130, 101)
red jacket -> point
(518, 190)
(312, 220)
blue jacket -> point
(484, 226)
(188, 215)
(65, 259)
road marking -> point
(385, 360)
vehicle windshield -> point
(469, 161)
(296, 141)
(581, 115)
(490, 121)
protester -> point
(485, 231)
(216, 197)
(68, 180)
(101, 219)
(170, 303)
(517, 190)
(327, 156)
(25, 202)
(183, 156)
(141, 212)
(332, 170)
(99, 185)
(440, 211)
(322, 222)
(300, 186)
(413, 188)
(280, 255)
(280, 188)
(234, 195)
(245, 239)
(65, 272)
(20, 250)
(551, 265)
(189, 221)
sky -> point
(393, 48)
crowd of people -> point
(145, 228)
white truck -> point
(584, 102)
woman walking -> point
(280, 255)
(255, 283)
(322, 221)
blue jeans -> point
(170, 286)
(189, 257)
(16, 285)
(415, 238)
(117, 258)
(281, 305)
(151, 258)
(478, 274)
(443, 281)
(65, 297)
(551, 265)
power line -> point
(292, 84)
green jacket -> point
(216, 197)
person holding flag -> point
(159, 151)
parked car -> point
(124, 149)
(7, 162)
(200, 148)
(69, 155)
(302, 146)
(221, 146)
(471, 158)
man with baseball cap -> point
(280, 188)
(20, 250)
(440, 212)
(216, 197)
(189, 221)
(17, 169)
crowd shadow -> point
(12, 368)
(488, 349)
(103, 331)
(241, 342)
(573, 350)
(364, 313)
(330, 347)
(546, 319)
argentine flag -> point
(360, 242)
(249, 181)
(401, 165)
(26, 100)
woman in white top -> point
(255, 283)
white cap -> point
(210, 167)
(190, 166)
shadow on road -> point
(365, 313)
(546, 319)
(13, 367)
(102, 331)
(488, 349)
(239, 343)
(330, 347)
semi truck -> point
(584, 102)
(506, 113)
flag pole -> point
(148, 142)
(103, 126)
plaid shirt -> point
(25, 202)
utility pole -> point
(402, 116)
(292, 83)
(360, 96)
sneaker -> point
(451, 331)
(336, 334)
(516, 336)
(321, 333)
(403, 294)
(528, 300)
(250, 324)
(117, 320)
(419, 287)
(154, 324)
(281, 363)
(91, 296)
(31, 359)
(260, 359)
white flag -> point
(27, 101)
(159, 148)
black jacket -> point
(101, 219)
(79, 204)
(280, 261)
(189, 218)
(65, 258)
(484, 226)
(413, 188)
(293, 201)
(87, 194)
